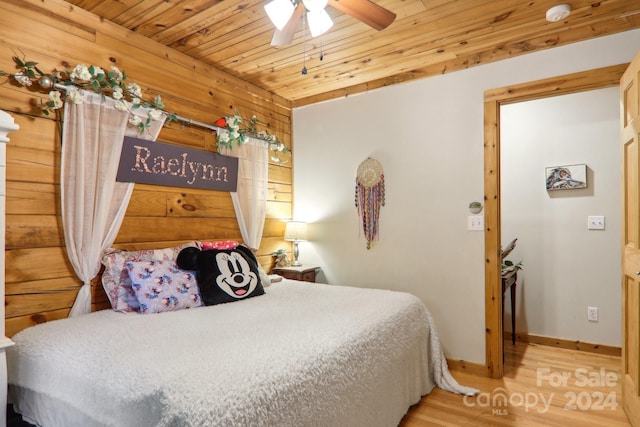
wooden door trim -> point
(493, 99)
(629, 94)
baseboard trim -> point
(562, 343)
(456, 365)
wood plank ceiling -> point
(428, 37)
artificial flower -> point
(117, 93)
(96, 71)
(75, 96)
(234, 121)
(134, 120)
(223, 137)
(54, 96)
(80, 72)
(155, 114)
(135, 90)
(116, 74)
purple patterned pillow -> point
(115, 278)
(162, 286)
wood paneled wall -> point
(40, 282)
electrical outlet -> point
(475, 222)
(595, 222)
(592, 314)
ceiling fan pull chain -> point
(321, 52)
(304, 46)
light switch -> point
(595, 222)
(475, 222)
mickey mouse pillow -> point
(223, 275)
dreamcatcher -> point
(369, 197)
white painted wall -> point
(567, 268)
(428, 134)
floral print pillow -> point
(161, 286)
(115, 278)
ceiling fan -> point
(285, 15)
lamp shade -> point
(314, 5)
(317, 17)
(319, 22)
(295, 231)
(279, 12)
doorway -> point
(493, 99)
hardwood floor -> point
(542, 386)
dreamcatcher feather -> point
(369, 197)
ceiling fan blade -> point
(285, 36)
(366, 11)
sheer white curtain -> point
(250, 201)
(93, 203)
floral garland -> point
(108, 83)
(128, 97)
(237, 131)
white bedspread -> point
(300, 355)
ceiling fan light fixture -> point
(279, 12)
(319, 22)
(314, 5)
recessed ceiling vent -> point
(558, 13)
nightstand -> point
(304, 273)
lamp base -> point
(296, 252)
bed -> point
(299, 355)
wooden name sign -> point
(157, 163)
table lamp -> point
(295, 231)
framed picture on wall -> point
(568, 177)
